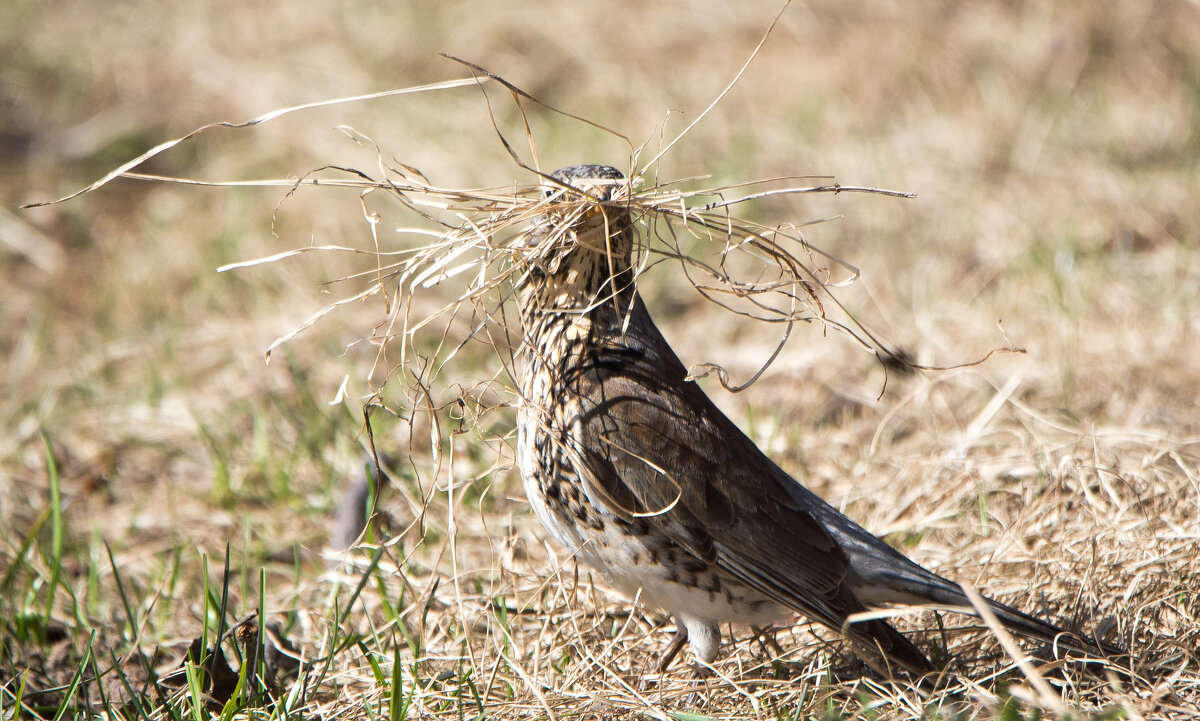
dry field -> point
(159, 482)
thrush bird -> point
(632, 467)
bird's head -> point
(579, 252)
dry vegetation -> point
(1054, 150)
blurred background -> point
(1053, 148)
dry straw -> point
(474, 242)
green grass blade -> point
(56, 530)
(73, 687)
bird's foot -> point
(698, 697)
(668, 655)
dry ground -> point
(1054, 149)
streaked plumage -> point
(633, 468)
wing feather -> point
(659, 456)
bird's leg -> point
(672, 649)
(704, 635)
(668, 655)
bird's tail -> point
(1025, 625)
(933, 589)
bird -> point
(630, 465)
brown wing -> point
(657, 447)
